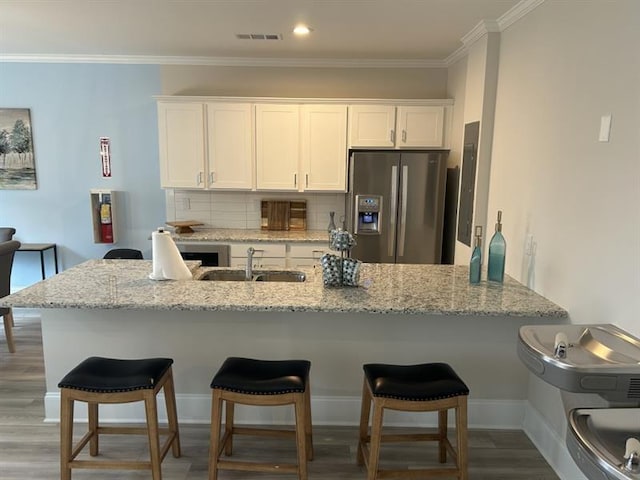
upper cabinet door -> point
(277, 147)
(420, 127)
(181, 147)
(324, 147)
(372, 125)
(230, 146)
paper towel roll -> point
(167, 262)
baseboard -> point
(550, 445)
(196, 409)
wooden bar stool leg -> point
(307, 426)
(172, 414)
(461, 432)
(8, 331)
(228, 427)
(365, 411)
(376, 434)
(151, 409)
(442, 434)
(301, 435)
(66, 435)
(216, 421)
(93, 428)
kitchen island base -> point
(480, 348)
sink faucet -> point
(249, 271)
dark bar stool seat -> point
(413, 388)
(106, 380)
(260, 382)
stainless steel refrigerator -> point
(395, 205)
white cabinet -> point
(305, 255)
(266, 255)
(387, 126)
(205, 146)
(229, 146)
(301, 147)
(277, 147)
(419, 127)
(324, 147)
(372, 125)
(181, 148)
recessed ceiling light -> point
(301, 30)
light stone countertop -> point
(384, 289)
(256, 235)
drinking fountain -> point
(599, 359)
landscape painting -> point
(17, 162)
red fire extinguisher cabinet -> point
(103, 215)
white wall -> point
(479, 104)
(456, 83)
(561, 68)
(305, 82)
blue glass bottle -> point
(475, 264)
(497, 250)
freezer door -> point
(421, 207)
(375, 173)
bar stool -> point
(413, 388)
(99, 380)
(260, 382)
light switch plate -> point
(605, 128)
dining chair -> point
(7, 251)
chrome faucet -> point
(632, 462)
(249, 271)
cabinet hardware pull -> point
(404, 136)
(295, 179)
(394, 209)
(403, 215)
(212, 177)
(392, 137)
(199, 178)
(307, 180)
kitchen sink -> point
(282, 276)
(600, 439)
(601, 359)
(258, 276)
(224, 276)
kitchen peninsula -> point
(399, 314)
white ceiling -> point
(401, 30)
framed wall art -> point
(17, 161)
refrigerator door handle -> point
(394, 210)
(403, 221)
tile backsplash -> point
(242, 209)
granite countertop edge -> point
(439, 290)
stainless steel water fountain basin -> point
(602, 359)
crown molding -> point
(459, 54)
(510, 17)
(479, 31)
(517, 12)
(226, 61)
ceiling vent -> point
(258, 36)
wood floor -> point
(29, 447)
